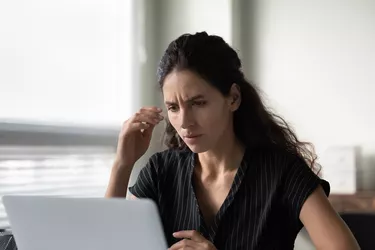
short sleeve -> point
(299, 182)
(146, 185)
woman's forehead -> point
(185, 85)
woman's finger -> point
(147, 132)
(146, 118)
(151, 108)
(152, 114)
(189, 234)
(185, 244)
(134, 126)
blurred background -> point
(72, 71)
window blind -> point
(61, 171)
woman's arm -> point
(326, 228)
(119, 180)
(134, 139)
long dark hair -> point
(215, 61)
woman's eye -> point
(172, 108)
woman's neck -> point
(226, 157)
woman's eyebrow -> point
(191, 99)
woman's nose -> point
(187, 119)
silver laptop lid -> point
(57, 223)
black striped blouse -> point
(261, 210)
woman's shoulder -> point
(275, 161)
(275, 156)
(288, 169)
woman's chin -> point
(196, 148)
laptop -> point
(62, 223)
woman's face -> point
(199, 113)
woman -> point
(235, 175)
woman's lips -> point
(191, 139)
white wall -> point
(65, 61)
(191, 16)
(316, 64)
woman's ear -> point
(234, 97)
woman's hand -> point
(191, 240)
(135, 135)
